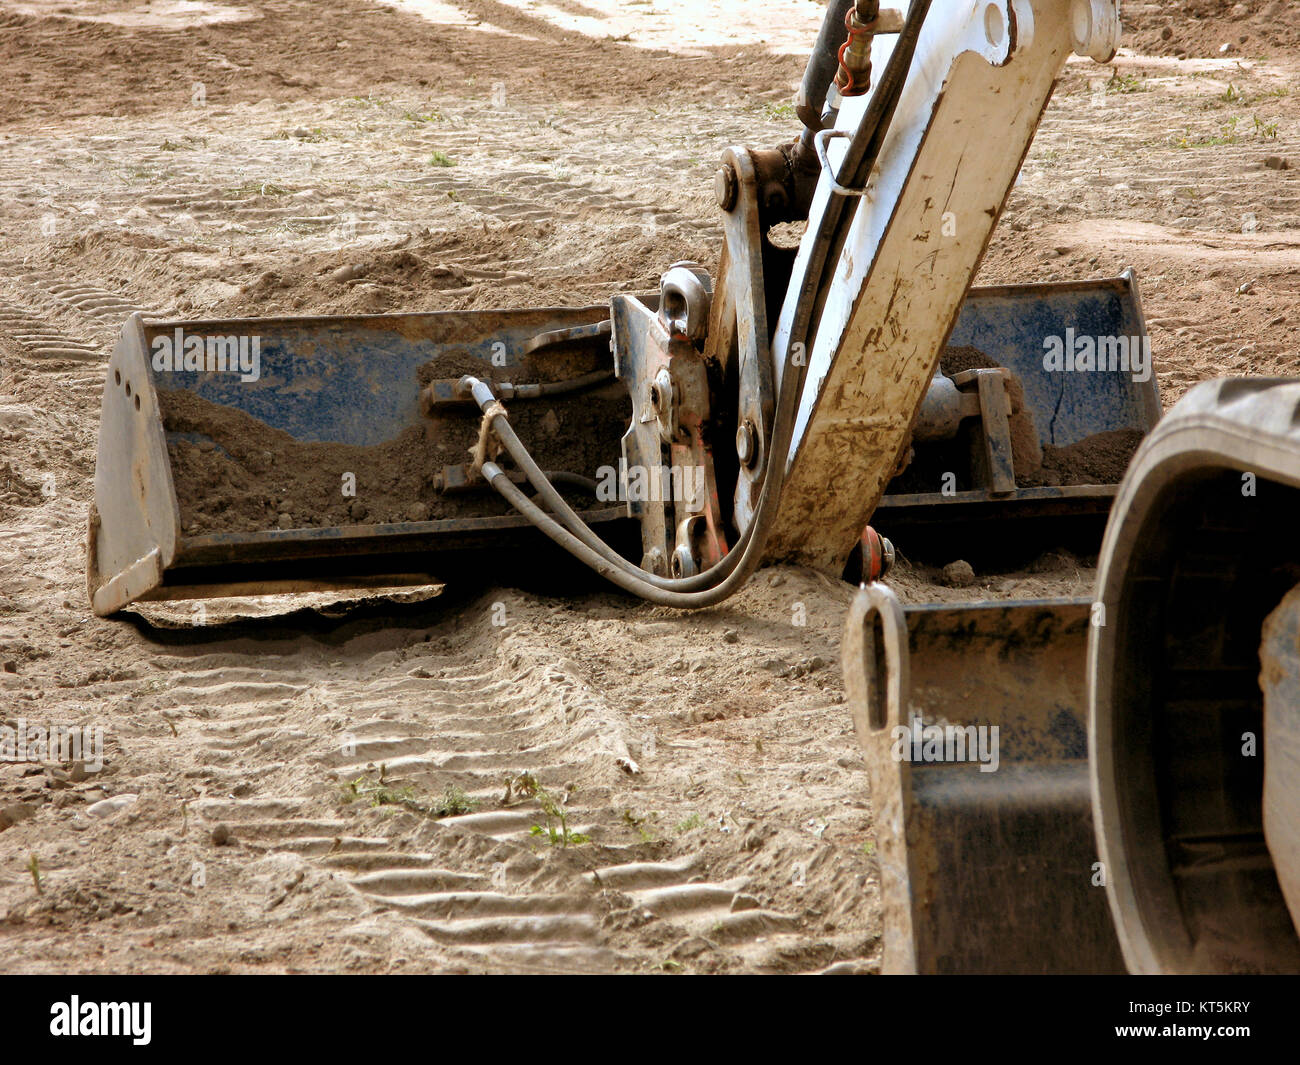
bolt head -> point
(725, 187)
(661, 390)
(746, 443)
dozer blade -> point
(1079, 425)
(304, 461)
(974, 724)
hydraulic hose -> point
(573, 480)
(567, 540)
(578, 538)
(823, 64)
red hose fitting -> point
(854, 76)
(877, 555)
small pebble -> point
(108, 807)
(285, 521)
(221, 835)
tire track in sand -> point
(282, 732)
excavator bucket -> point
(251, 456)
(974, 723)
(264, 455)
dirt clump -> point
(16, 490)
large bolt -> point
(663, 404)
(746, 443)
(661, 391)
(726, 187)
(1095, 27)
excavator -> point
(836, 375)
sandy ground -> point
(284, 759)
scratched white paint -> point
(899, 284)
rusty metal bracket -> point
(667, 476)
(739, 319)
(994, 458)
